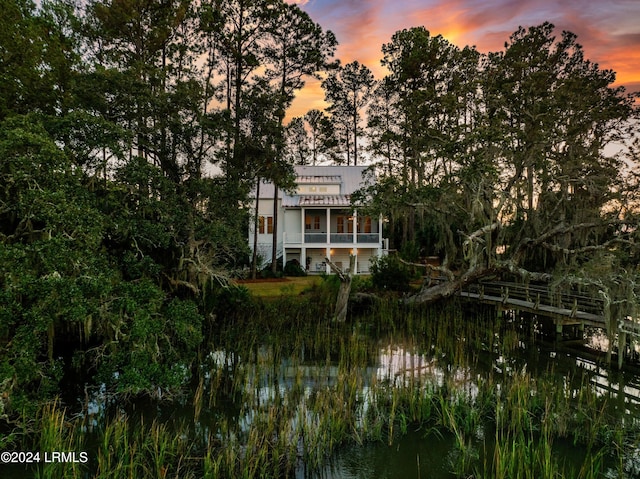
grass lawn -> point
(269, 288)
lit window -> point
(312, 223)
(345, 224)
(269, 225)
(261, 225)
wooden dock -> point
(565, 308)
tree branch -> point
(440, 269)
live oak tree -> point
(538, 192)
(47, 223)
(144, 55)
(114, 229)
(499, 163)
(110, 233)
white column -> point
(355, 241)
(328, 239)
(355, 228)
(303, 225)
(380, 245)
(327, 268)
(328, 226)
(284, 250)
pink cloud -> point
(609, 32)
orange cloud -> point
(309, 98)
(609, 32)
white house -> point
(317, 221)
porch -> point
(330, 227)
(313, 260)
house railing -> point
(341, 237)
(315, 237)
(337, 238)
(368, 238)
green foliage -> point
(229, 301)
(186, 321)
(111, 233)
(347, 90)
(390, 274)
(410, 251)
(496, 151)
(114, 243)
(150, 344)
(293, 268)
(360, 283)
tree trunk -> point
(274, 244)
(342, 301)
(256, 224)
(449, 288)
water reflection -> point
(417, 455)
(242, 385)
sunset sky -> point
(608, 30)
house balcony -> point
(369, 238)
(333, 238)
(330, 227)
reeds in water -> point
(283, 391)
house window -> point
(312, 223)
(269, 224)
(345, 224)
(367, 224)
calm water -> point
(247, 369)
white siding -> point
(293, 225)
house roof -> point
(306, 200)
(350, 179)
(319, 179)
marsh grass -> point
(282, 391)
(58, 433)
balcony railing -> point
(315, 237)
(341, 237)
(368, 238)
(338, 238)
